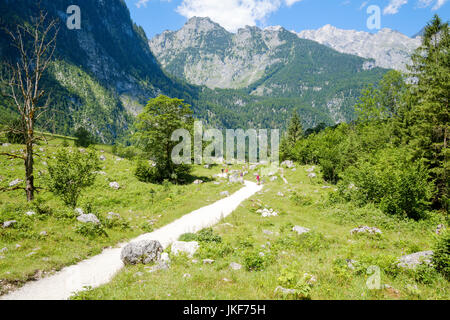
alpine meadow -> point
(315, 161)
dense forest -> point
(396, 153)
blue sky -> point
(406, 16)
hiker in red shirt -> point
(257, 178)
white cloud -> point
(232, 14)
(427, 3)
(143, 3)
(363, 5)
(291, 2)
(394, 6)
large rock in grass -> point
(142, 252)
(15, 182)
(8, 224)
(185, 247)
(88, 218)
(366, 229)
(114, 185)
(300, 230)
(288, 163)
(411, 261)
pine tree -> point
(430, 91)
(295, 129)
(293, 135)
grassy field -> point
(52, 238)
(315, 264)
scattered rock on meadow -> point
(186, 275)
(145, 252)
(30, 213)
(410, 261)
(185, 247)
(112, 215)
(79, 211)
(160, 265)
(350, 264)
(8, 224)
(88, 218)
(224, 194)
(300, 230)
(3, 250)
(43, 233)
(312, 175)
(280, 194)
(233, 178)
(15, 182)
(281, 290)
(198, 181)
(235, 266)
(273, 178)
(267, 212)
(165, 257)
(366, 229)
(114, 185)
(102, 158)
(440, 228)
(288, 163)
(267, 232)
(311, 169)
(227, 225)
(208, 261)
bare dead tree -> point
(35, 43)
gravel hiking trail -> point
(100, 269)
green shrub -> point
(41, 208)
(14, 132)
(84, 138)
(441, 256)
(312, 241)
(397, 185)
(146, 172)
(254, 262)
(208, 235)
(90, 230)
(188, 237)
(291, 278)
(214, 250)
(70, 172)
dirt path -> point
(100, 269)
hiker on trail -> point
(257, 178)
(222, 171)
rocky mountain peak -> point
(389, 48)
(202, 24)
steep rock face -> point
(103, 73)
(278, 71)
(390, 49)
(204, 53)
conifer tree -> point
(430, 72)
